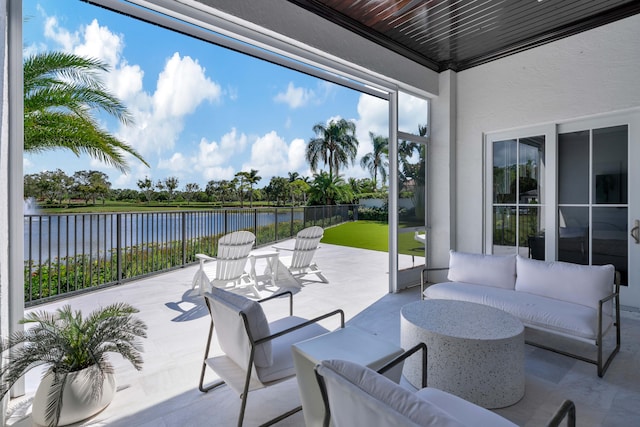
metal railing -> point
(72, 253)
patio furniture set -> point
(474, 336)
(236, 249)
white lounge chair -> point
(301, 263)
(420, 237)
(231, 259)
(257, 353)
(355, 395)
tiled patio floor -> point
(165, 392)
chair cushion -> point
(282, 366)
(489, 270)
(356, 392)
(230, 330)
(579, 284)
(466, 412)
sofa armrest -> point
(423, 275)
(566, 410)
(401, 358)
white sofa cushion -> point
(489, 270)
(534, 311)
(356, 392)
(579, 284)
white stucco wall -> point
(590, 73)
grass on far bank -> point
(371, 235)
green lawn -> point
(370, 235)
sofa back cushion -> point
(359, 395)
(490, 270)
(576, 283)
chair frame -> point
(254, 343)
(566, 410)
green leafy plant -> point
(68, 342)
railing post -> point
(118, 248)
(275, 223)
(226, 219)
(184, 238)
(255, 221)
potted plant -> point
(79, 381)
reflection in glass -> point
(573, 234)
(410, 107)
(532, 236)
(610, 165)
(504, 230)
(573, 167)
(504, 171)
(609, 239)
(530, 162)
(412, 214)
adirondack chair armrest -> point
(204, 257)
(280, 248)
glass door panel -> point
(517, 194)
(573, 167)
(573, 234)
(593, 197)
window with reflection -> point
(518, 195)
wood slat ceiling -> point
(460, 34)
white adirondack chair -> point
(230, 262)
(301, 263)
(420, 237)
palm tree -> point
(61, 91)
(375, 161)
(252, 179)
(327, 189)
(335, 144)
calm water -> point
(51, 236)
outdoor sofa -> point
(571, 300)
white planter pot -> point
(77, 403)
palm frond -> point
(59, 85)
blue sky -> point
(201, 112)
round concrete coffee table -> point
(474, 351)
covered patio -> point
(165, 392)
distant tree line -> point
(91, 187)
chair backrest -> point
(225, 309)
(233, 252)
(355, 392)
(307, 241)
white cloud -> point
(181, 87)
(158, 116)
(177, 163)
(63, 37)
(212, 160)
(297, 160)
(26, 164)
(272, 156)
(295, 97)
(99, 42)
(412, 112)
